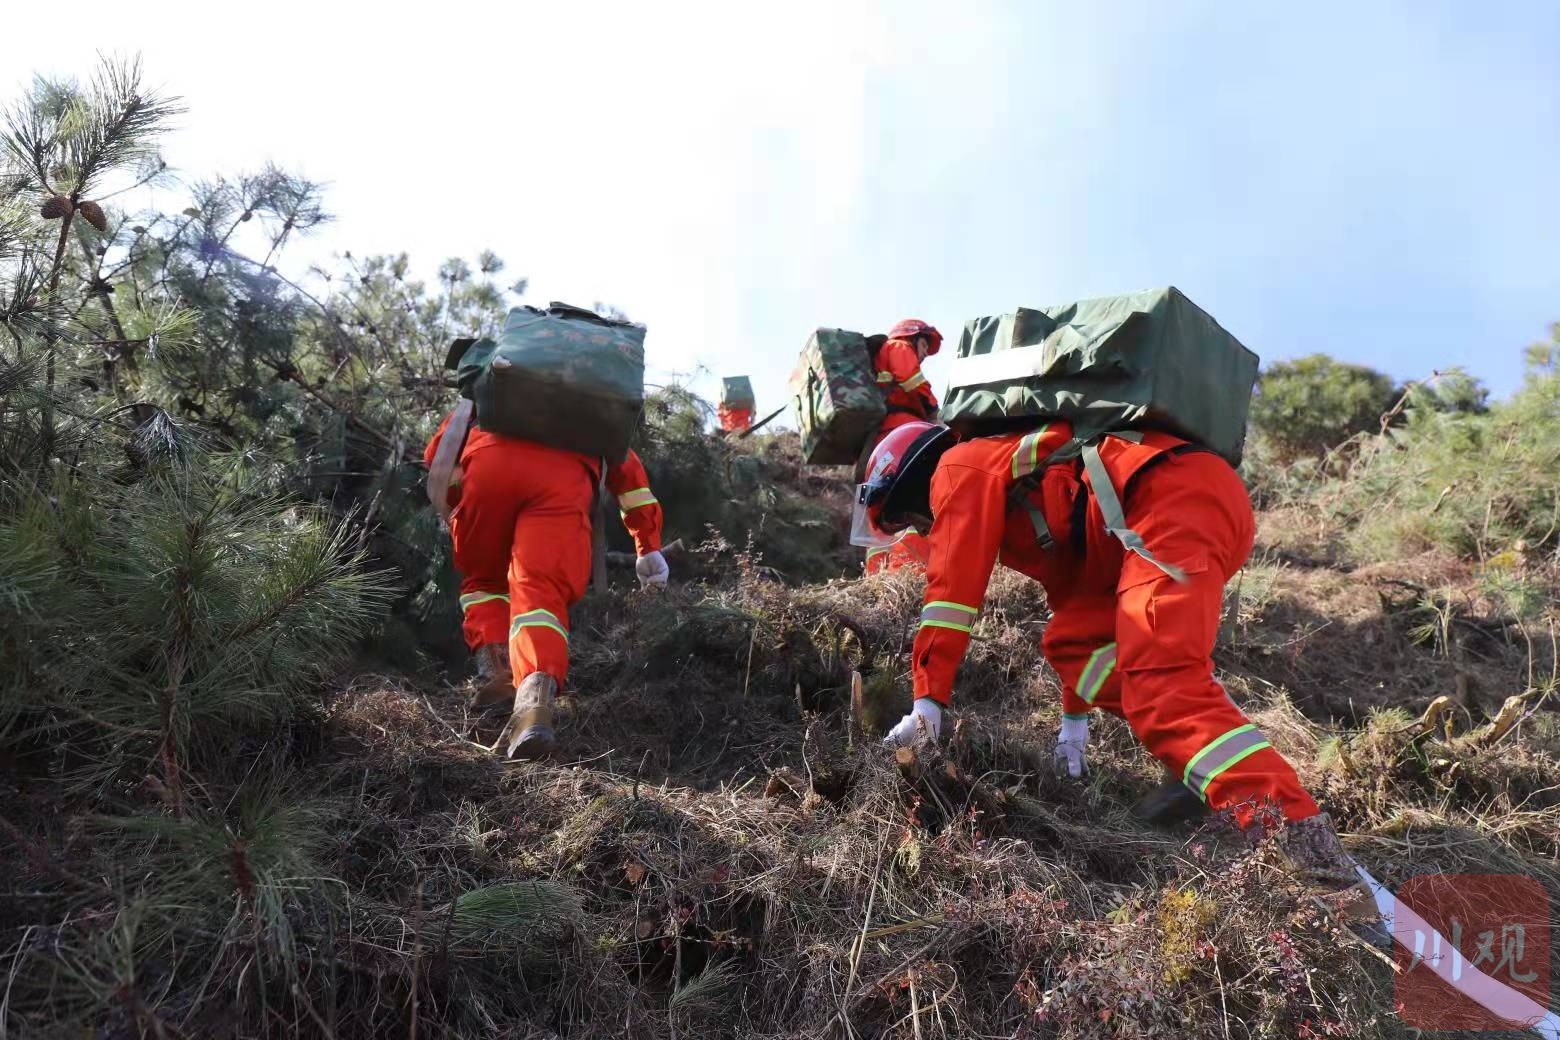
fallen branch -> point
(1510, 714)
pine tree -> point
(207, 462)
(163, 591)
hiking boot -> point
(530, 730)
(1313, 848)
(1170, 803)
(494, 684)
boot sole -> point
(534, 743)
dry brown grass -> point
(713, 856)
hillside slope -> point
(712, 854)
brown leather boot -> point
(530, 730)
(494, 686)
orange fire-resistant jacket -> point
(910, 399)
(907, 393)
(732, 419)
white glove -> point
(1071, 743)
(652, 569)
(925, 710)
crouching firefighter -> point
(1135, 583)
(909, 398)
(519, 515)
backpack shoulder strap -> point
(598, 532)
(1028, 470)
(1110, 504)
(447, 457)
(1019, 498)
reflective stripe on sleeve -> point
(914, 382)
(471, 599)
(538, 619)
(631, 500)
(1026, 457)
(943, 614)
(1220, 754)
(1092, 680)
(885, 377)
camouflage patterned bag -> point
(834, 391)
(736, 392)
(565, 377)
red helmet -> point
(910, 328)
(897, 493)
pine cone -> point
(248, 214)
(95, 216)
(55, 208)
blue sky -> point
(1377, 180)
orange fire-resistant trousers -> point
(521, 532)
(1141, 647)
(1124, 635)
(522, 546)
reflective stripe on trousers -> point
(471, 599)
(538, 619)
(1220, 754)
(1092, 679)
(943, 614)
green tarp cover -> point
(563, 376)
(1145, 360)
(736, 392)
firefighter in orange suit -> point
(520, 523)
(733, 418)
(1135, 610)
(909, 398)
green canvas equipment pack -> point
(1149, 360)
(736, 392)
(561, 376)
(1112, 366)
(835, 394)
